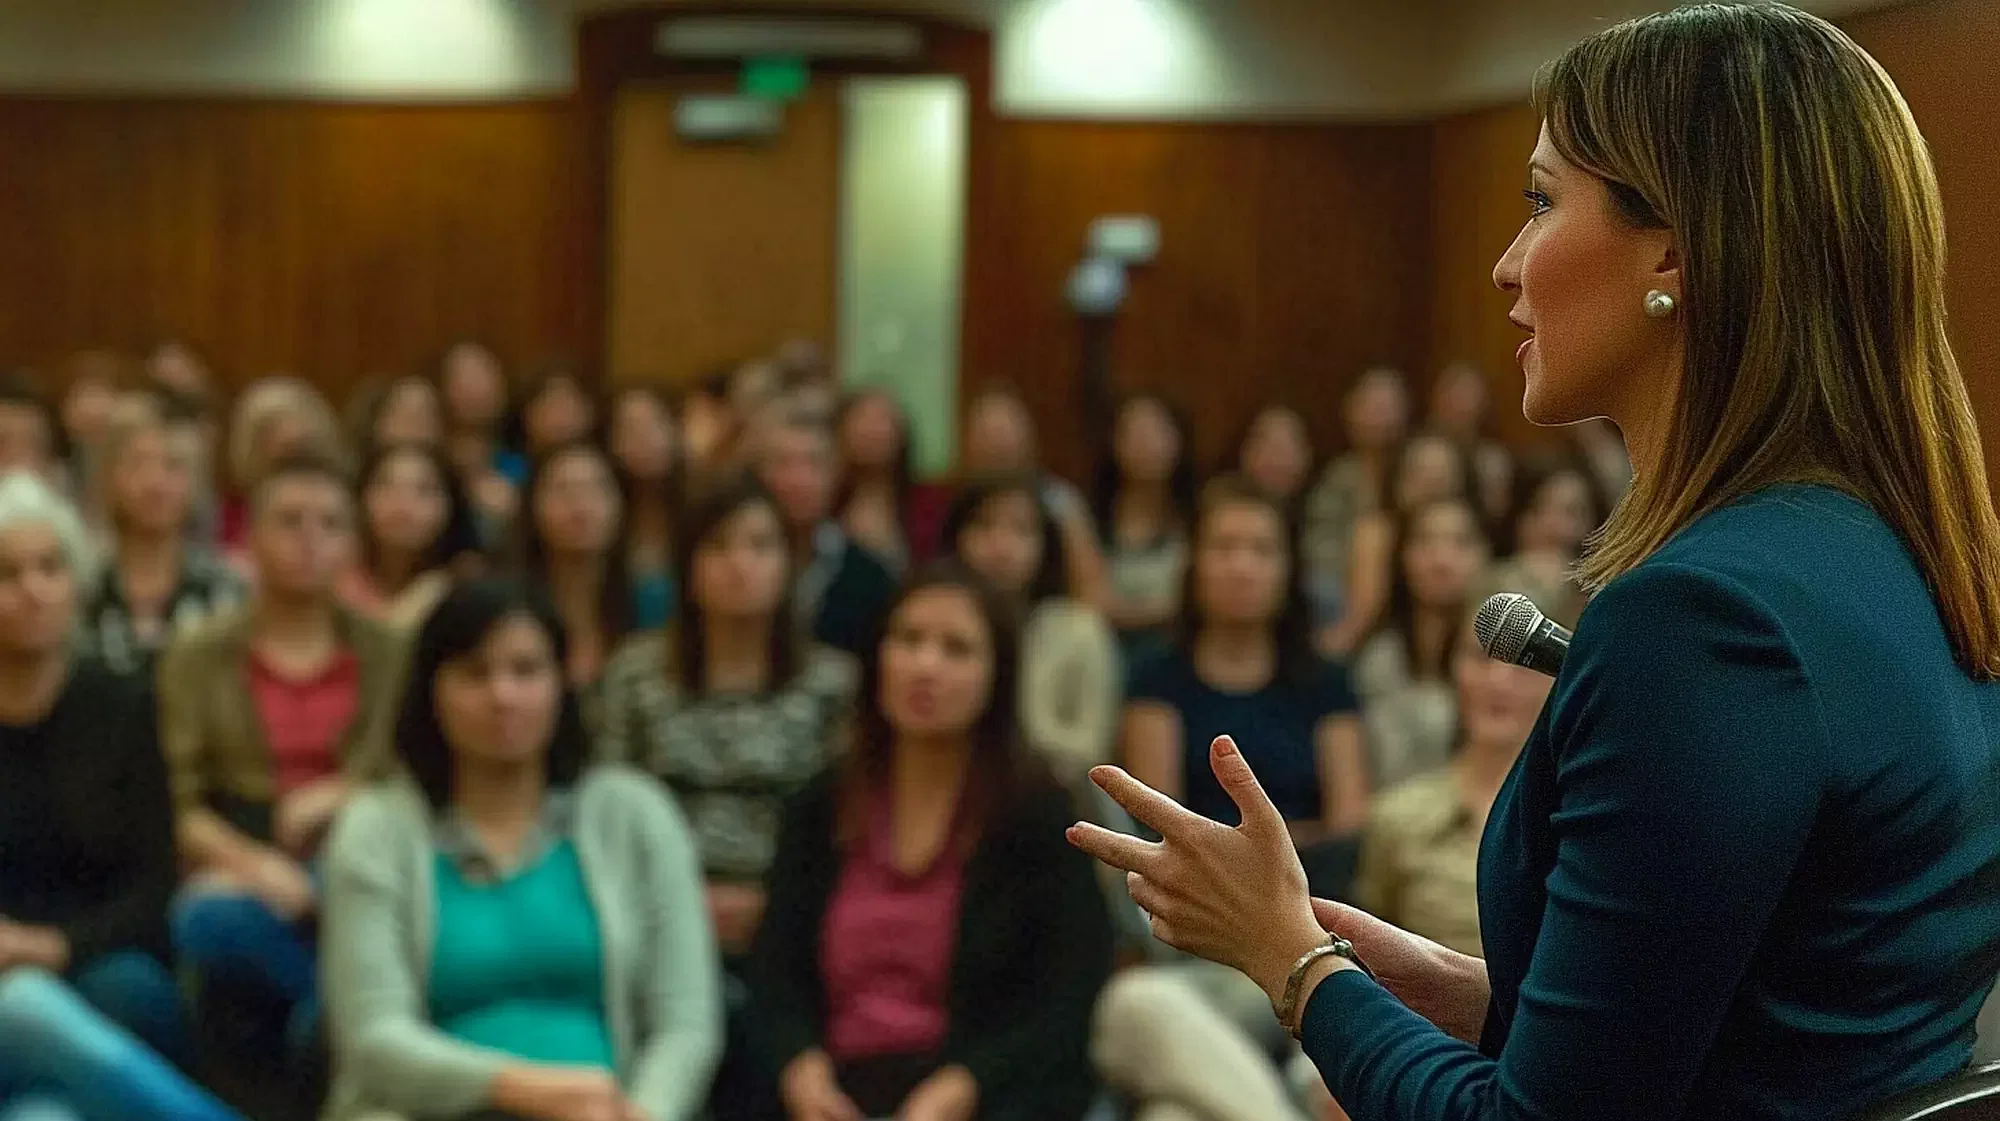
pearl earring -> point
(1659, 305)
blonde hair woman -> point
(275, 418)
(1745, 865)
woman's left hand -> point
(1237, 896)
(949, 1094)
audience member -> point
(557, 409)
(1243, 664)
(1375, 414)
(734, 711)
(416, 531)
(877, 477)
(92, 382)
(1419, 854)
(709, 426)
(731, 708)
(1460, 409)
(508, 930)
(573, 549)
(645, 449)
(405, 410)
(30, 436)
(1144, 505)
(933, 946)
(1000, 438)
(475, 397)
(158, 583)
(87, 1005)
(262, 764)
(176, 366)
(1403, 671)
(1558, 503)
(842, 591)
(1425, 467)
(1071, 680)
(275, 419)
(1275, 452)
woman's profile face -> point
(1579, 272)
(498, 702)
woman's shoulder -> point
(827, 670)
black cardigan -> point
(86, 840)
(1034, 947)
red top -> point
(886, 947)
(305, 718)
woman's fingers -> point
(1234, 773)
(1120, 850)
(1148, 806)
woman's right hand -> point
(1443, 986)
(553, 1093)
(811, 1093)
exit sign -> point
(776, 77)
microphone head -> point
(1503, 625)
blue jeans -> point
(236, 940)
(62, 1058)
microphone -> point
(1512, 629)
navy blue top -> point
(1274, 726)
(1748, 864)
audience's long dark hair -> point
(615, 597)
(1299, 662)
(456, 538)
(457, 626)
(902, 468)
(710, 509)
(1399, 616)
(1001, 769)
(1052, 578)
(1182, 482)
(1535, 472)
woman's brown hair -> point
(1805, 210)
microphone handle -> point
(1546, 648)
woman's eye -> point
(1538, 203)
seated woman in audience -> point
(276, 418)
(1000, 439)
(416, 531)
(156, 582)
(1403, 671)
(1460, 410)
(405, 410)
(734, 710)
(1558, 504)
(573, 549)
(270, 715)
(475, 398)
(87, 1005)
(1144, 505)
(1070, 675)
(930, 948)
(507, 931)
(93, 381)
(881, 505)
(556, 410)
(645, 448)
(1275, 452)
(1375, 417)
(1243, 665)
(1420, 852)
(1425, 468)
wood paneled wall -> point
(331, 240)
(1291, 257)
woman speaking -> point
(1748, 865)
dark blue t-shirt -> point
(1273, 726)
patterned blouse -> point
(128, 643)
(732, 759)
